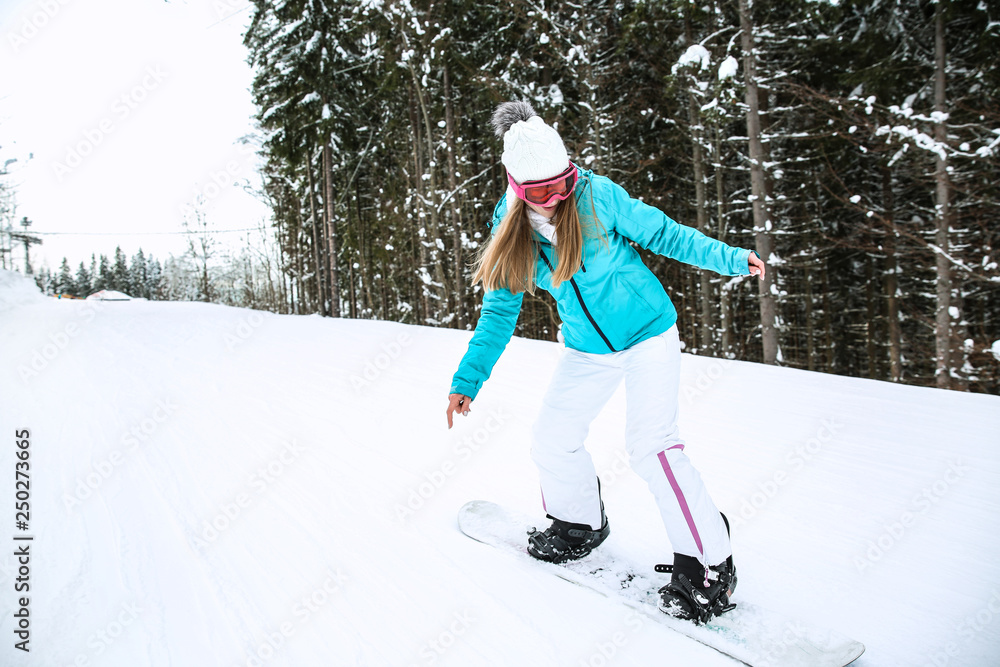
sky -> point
(121, 114)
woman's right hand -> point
(458, 403)
(757, 267)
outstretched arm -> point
(493, 331)
(652, 229)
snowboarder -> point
(568, 231)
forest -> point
(854, 144)
(205, 272)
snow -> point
(695, 55)
(221, 486)
(995, 349)
(920, 139)
(16, 290)
(556, 94)
(987, 151)
(728, 68)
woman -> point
(568, 231)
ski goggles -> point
(544, 193)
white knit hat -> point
(532, 150)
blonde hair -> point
(508, 258)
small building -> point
(109, 295)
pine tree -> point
(103, 278)
(381, 173)
(153, 288)
(82, 283)
(138, 276)
(64, 280)
(119, 273)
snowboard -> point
(750, 634)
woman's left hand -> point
(757, 267)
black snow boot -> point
(563, 541)
(695, 592)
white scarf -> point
(542, 225)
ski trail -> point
(227, 473)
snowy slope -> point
(16, 290)
(217, 486)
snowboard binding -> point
(563, 541)
(698, 602)
(696, 592)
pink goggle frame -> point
(543, 193)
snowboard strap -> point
(701, 608)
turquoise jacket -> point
(613, 301)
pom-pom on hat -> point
(532, 150)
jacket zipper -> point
(586, 311)
(582, 264)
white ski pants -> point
(582, 384)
